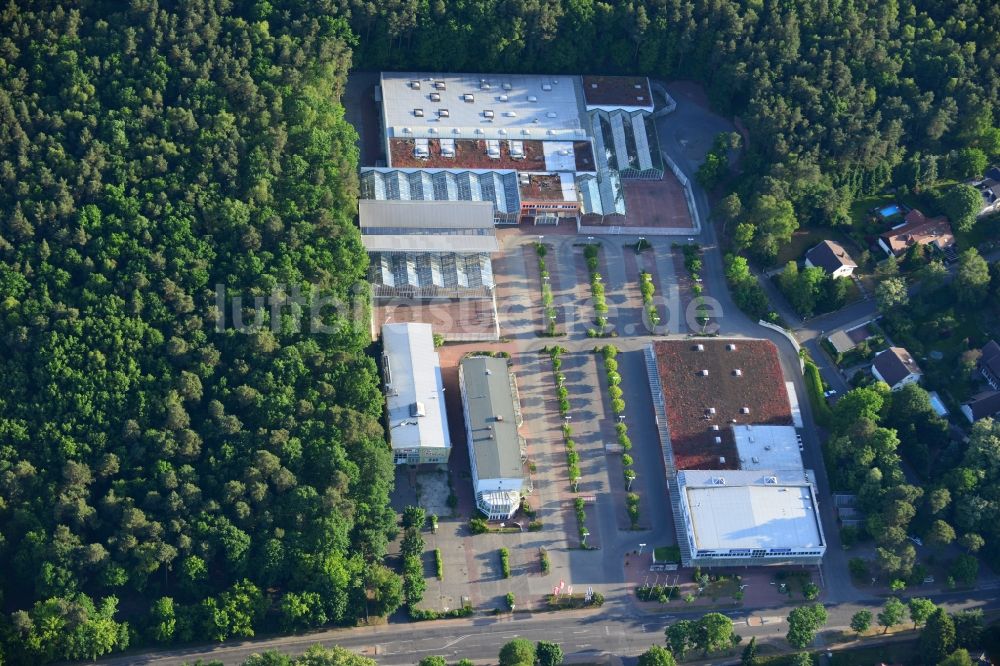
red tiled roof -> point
(918, 229)
(689, 395)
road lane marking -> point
(450, 643)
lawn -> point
(667, 554)
(890, 653)
(807, 237)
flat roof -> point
(494, 154)
(480, 105)
(489, 398)
(617, 92)
(746, 511)
(427, 226)
(744, 384)
(767, 447)
(413, 387)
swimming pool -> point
(889, 211)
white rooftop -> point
(481, 105)
(763, 447)
(748, 511)
(414, 390)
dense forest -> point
(194, 482)
(164, 478)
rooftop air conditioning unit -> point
(506, 86)
(719, 480)
(722, 461)
(704, 373)
(715, 426)
(737, 372)
(755, 459)
(419, 113)
(771, 480)
(418, 409)
(415, 85)
(499, 417)
(711, 410)
(718, 440)
(532, 98)
(699, 347)
(730, 347)
(546, 86)
(744, 410)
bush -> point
(418, 614)
(618, 406)
(505, 562)
(439, 563)
(632, 506)
(535, 526)
(627, 460)
(590, 251)
(814, 385)
(810, 591)
(625, 442)
(510, 601)
(543, 556)
(479, 526)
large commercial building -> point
(738, 490)
(749, 517)
(496, 448)
(540, 148)
(414, 395)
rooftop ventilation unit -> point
(715, 426)
(510, 114)
(488, 113)
(532, 98)
(730, 347)
(484, 86)
(704, 373)
(737, 372)
(443, 113)
(406, 130)
(502, 98)
(744, 410)
(638, 87)
(771, 480)
(755, 459)
(722, 461)
(418, 409)
(710, 410)
(499, 417)
(593, 86)
(419, 113)
(719, 480)
(718, 440)
(699, 347)
(551, 114)
(546, 87)
(415, 85)
(434, 97)
(469, 97)
(506, 86)
(439, 85)
(551, 132)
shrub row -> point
(439, 563)
(632, 506)
(581, 516)
(615, 395)
(648, 289)
(548, 301)
(417, 614)
(411, 549)
(661, 593)
(505, 562)
(572, 457)
(543, 556)
(596, 290)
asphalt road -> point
(620, 627)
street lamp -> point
(641, 546)
(585, 533)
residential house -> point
(981, 405)
(896, 367)
(918, 229)
(989, 364)
(989, 188)
(832, 258)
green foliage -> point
(961, 204)
(937, 638)
(632, 508)
(861, 621)
(959, 657)
(151, 153)
(518, 652)
(747, 292)
(892, 613)
(920, 609)
(749, 654)
(814, 385)
(803, 623)
(965, 568)
(505, 562)
(434, 660)
(657, 656)
(478, 525)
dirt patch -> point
(656, 203)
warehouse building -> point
(414, 395)
(496, 449)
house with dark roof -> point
(896, 367)
(918, 229)
(981, 405)
(989, 188)
(832, 258)
(989, 364)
